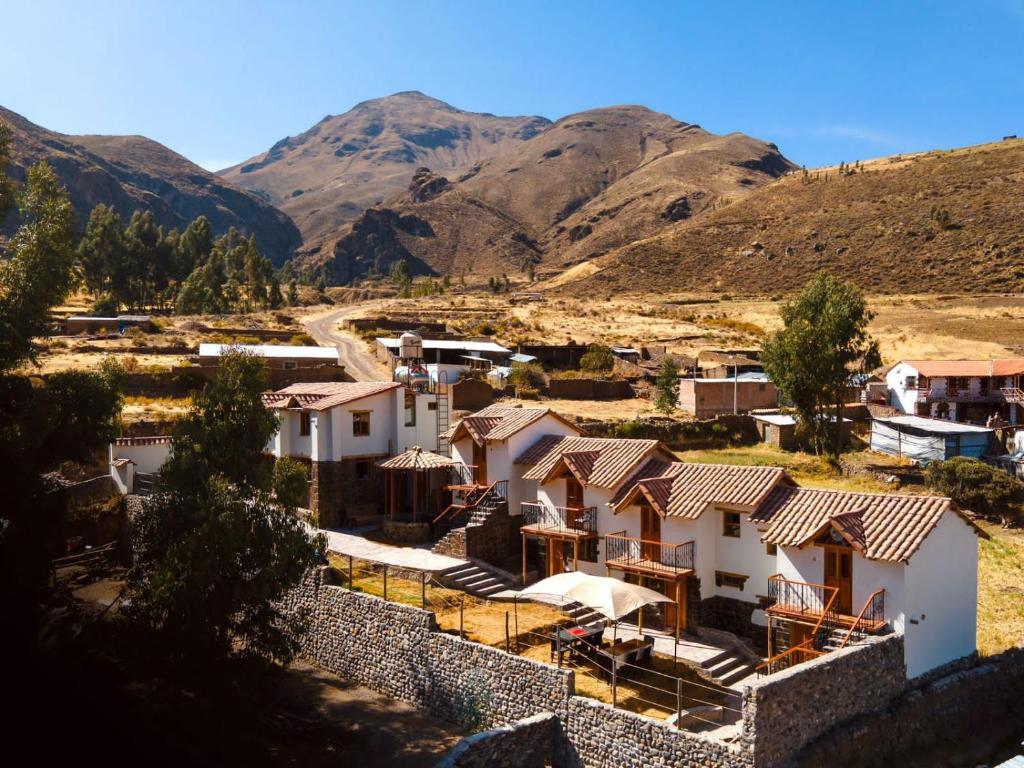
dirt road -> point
(360, 365)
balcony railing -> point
(960, 396)
(1013, 395)
(630, 553)
(539, 517)
(798, 599)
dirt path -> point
(359, 364)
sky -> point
(221, 81)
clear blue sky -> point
(221, 81)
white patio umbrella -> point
(610, 597)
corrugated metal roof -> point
(938, 426)
(687, 490)
(605, 461)
(457, 344)
(320, 396)
(882, 527)
(417, 459)
(272, 350)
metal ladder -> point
(443, 446)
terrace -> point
(562, 522)
(627, 553)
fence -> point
(540, 516)
(627, 550)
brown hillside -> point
(326, 176)
(134, 173)
(591, 182)
(874, 226)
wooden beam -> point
(575, 554)
(524, 559)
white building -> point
(958, 390)
(133, 460)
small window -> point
(360, 423)
(731, 524)
(362, 469)
(910, 383)
(432, 406)
(733, 580)
(761, 387)
(410, 409)
(771, 549)
(304, 423)
(587, 550)
(290, 365)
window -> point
(410, 409)
(290, 365)
(761, 387)
(587, 550)
(360, 423)
(733, 580)
(910, 383)
(771, 549)
(362, 469)
(731, 524)
(432, 405)
(304, 423)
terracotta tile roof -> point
(605, 461)
(499, 422)
(156, 440)
(418, 459)
(879, 526)
(323, 395)
(687, 490)
(967, 368)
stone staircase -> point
(475, 579)
(582, 615)
(835, 638)
(728, 667)
(453, 543)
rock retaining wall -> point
(529, 743)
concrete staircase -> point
(475, 579)
(728, 667)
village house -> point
(283, 357)
(343, 429)
(958, 390)
(77, 324)
(709, 397)
(445, 360)
(135, 461)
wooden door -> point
(650, 534)
(839, 574)
(573, 500)
(479, 464)
(668, 589)
(556, 559)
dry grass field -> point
(1001, 590)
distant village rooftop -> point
(272, 350)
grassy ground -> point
(1000, 590)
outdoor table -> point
(622, 653)
(570, 639)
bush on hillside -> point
(977, 487)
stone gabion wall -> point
(398, 650)
(971, 704)
(529, 743)
(787, 710)
(600, 736)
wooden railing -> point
(870, 616)
(478, 496)
(799, 599)
(623, 550)
(789, 658)
(1013, 394)
(581, 520)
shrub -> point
(597, 359)
(527, 376)
(976, 486)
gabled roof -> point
(599, 461)
(417, 459)
(499, 422)
(884, 527)
(687, 490)
(979, 368)
(323, 395)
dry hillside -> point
(327, 175)
(874, 225)
(134, 173)
(591, 182)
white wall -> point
(424, 432)
(148, 458)
(379, 442)
(520, 490)
(901, 398)
(942, 597)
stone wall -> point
(600, 736)
(734, 616)
(785, 711)
(336, 491)
(529, 743)
(589, 389)
(955, 717)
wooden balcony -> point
(961, 396)
(815, 604)
(559, 522)
(1013, 395)
(626, 553)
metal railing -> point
(480, 495)
(462, 474)
(581, 520)
(871, 615)
(623, 550)
(1012, 394)
(962, 396)
(789, 658)
(809, 602)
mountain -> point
(134, 173)
(587, 184)
(328, 175)
(873, 223)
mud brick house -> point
(705, 397)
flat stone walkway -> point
(413, 558)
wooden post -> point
(640, 620)
(385, 583)
(350, 571)
(515, 607)
(415, 495)
(507, 644)
(423, 587)
(462, 608)
(524, 559)
(679, 700)
(679, 608)
(575, 555)
(615, 672)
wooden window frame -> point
(772, 550)
(731, 580)
(305, 424)
(357, 421)
(728, 525)
(362, 469)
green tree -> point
(666, 386)
(38, 274)
(401, 278)
(274, 297)
(219, 546)
(7, 196)
(823, 340)
(293, 294)
(977, 487)
(597, 359)
(102, 250)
